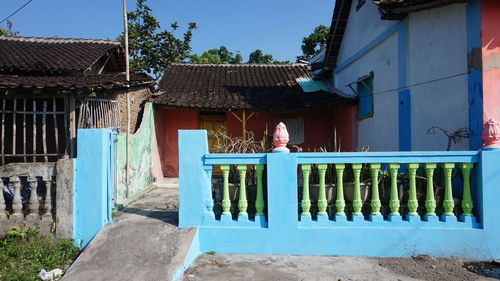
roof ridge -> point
(58, 40)
(240, 64)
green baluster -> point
(340, 202)
(242, 201)
(448, 202)
(357, 204)
(322, 202)
(259, 200)
(394, 199)
(375, 202)
(430, 202)
(412, 200)
(226, 202)
(306, 202)
(467, 204)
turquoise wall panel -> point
(92, 199)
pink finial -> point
(491, 134)
(280, 138)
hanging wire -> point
(418, 84)
(15, 12)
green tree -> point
(312, 44)
(258, 56)
(217, 56)
(8, 31)
(151, 48)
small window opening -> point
(365, 95)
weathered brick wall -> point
(138, 95)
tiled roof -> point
(337, 30)
(95, 81)
(34, 62)
(257, 87)
(399, 9)
(51, 55)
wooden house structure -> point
(241, 98)
(50, 87)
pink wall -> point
(319, 126)
(318, 129)
(490, 37)
(167, 122)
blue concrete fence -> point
(288, 228)
(93, 183)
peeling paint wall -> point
(142, 151)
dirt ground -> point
(427, 268)
(230, 267)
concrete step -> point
(167, 182)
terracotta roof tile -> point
(241, 86)
(33, 62)
(45, 55)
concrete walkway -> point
(143, 243)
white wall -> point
(363, 26)
(379, 132)
(438, 49)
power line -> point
(15, 12)
(419, 83)
(422, 83)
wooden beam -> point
(243, 120)
(72, 125)
(54, 115)
(44, 130)
(14, 127)
(34, 130)
(24, 130)
(3, 131)
(66, 121)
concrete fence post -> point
(489, 196)
(93, 187)
(282, 195)
(195, 196)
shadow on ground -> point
(170, 217)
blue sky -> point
(274, 26)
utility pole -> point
(127, 81)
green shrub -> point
(24, 253)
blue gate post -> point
(93, 184)
(282, 207)
(489, 185)
(194, 206)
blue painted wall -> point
(285, 234)
(93, 190)
(404, 96)
(475, 76)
